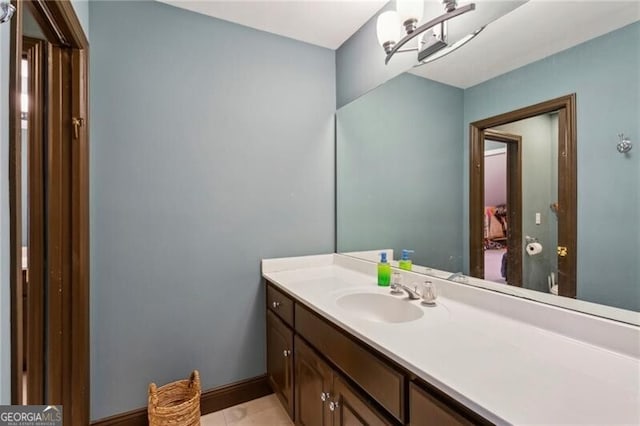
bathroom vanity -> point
(341, 350)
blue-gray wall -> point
(400, 171)
(5, 317)
(360, 63)
(604, 74)
(81, 8)
(212, 146)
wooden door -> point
(280, 360)
(350, 409)
(313, 387)
(58, 295)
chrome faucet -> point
(454, 277)
(413, 294)
(397, 287)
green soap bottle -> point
(405, 262)
(384, 271)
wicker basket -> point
(175, 404)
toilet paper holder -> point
(533, 247)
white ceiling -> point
(326, 23)
(533, 31)
(537, 29)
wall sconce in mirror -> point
(624, 145)
(6, 12)
(435, 38)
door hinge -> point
(77, 122)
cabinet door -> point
(377, 378)
(280, 360)
(425, 410)
(349, 409)
(312, 388)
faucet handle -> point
(396, 283)
(429, 293)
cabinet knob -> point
(324, 396)
(275, 304)
(333, 405)
(286, 352)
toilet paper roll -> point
(534, 248)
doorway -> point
(32, 226)
(49, 215)
(502, 244)
(562, 252)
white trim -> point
(494, 152)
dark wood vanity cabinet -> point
(323, 398)
(280, 360)
(326, 377)
(351, 409)
(427, 410)
(383, 382)
(313, 387)
(280, 304)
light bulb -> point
(410, 13)
(388, 28)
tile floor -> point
(265, 411)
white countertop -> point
(505, 369)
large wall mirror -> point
(404, 150)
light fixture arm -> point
(6, 12)
(426, 26)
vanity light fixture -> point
(6, 12)
(434, 40)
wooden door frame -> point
(67, 206)
(567, 184)
(514, 198)
(15, 204)
(34, 51)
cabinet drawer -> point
(425, 409)
(280, 304)
(352, 409)
(382, 382)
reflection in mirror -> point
(520, 192)
(399, 180)
(502, 207)
(539, 141)
(403, 180)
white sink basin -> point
(379, 307)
